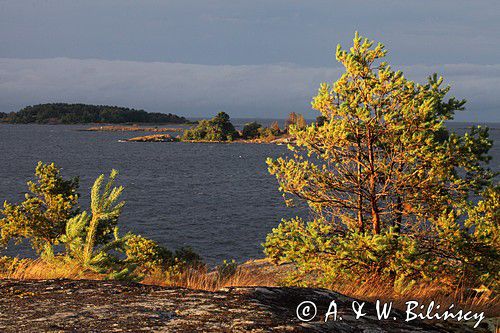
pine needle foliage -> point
(42, 216)
(89, 237)
(105, 209)
(386, 182)
(92, 239)
(92, 243)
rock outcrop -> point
(111, 306)
(153, 138)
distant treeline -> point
(62, 113)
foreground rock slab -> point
(111, 306)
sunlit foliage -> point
(387, 183)
(89, 241)
(41, 217)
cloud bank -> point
(268, 91)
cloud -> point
(200, 90)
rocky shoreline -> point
(113, 306)
(109, 128)
(153, 138)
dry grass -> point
(424, 294)
(211, 281)
(27, 269)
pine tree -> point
(89, 237)
(386, 181)
(291, 120)
(42, 216)
(383, 156)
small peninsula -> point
(63, 113)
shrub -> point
(90, 238)
(296, 120)
(146, 254)
(227, 269)
(41, 217)
(186, 256)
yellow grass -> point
(211, 281)
(424, 294)
(39, 269)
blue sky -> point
(249, 58)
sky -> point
(258, 58)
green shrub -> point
(146, 254)
(186, 256)
(41, 217)
(324, 256)
(90, 238)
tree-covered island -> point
(219, 129)
(63, 113)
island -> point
(63, 113)
(219, 129)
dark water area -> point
(217, 198)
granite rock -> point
(113, 306)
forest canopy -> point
(63, 113)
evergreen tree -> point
(383, 154)
(89, 237)
(291, 120)
(42, 216)
(275, 128)
(385, 179)
(300, 123)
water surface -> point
(217, 198)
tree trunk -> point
(90, 239)
(373, 187)
(361, 224)
(375, 217)
(399, 214)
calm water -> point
(217, 198)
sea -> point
(218, 199)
